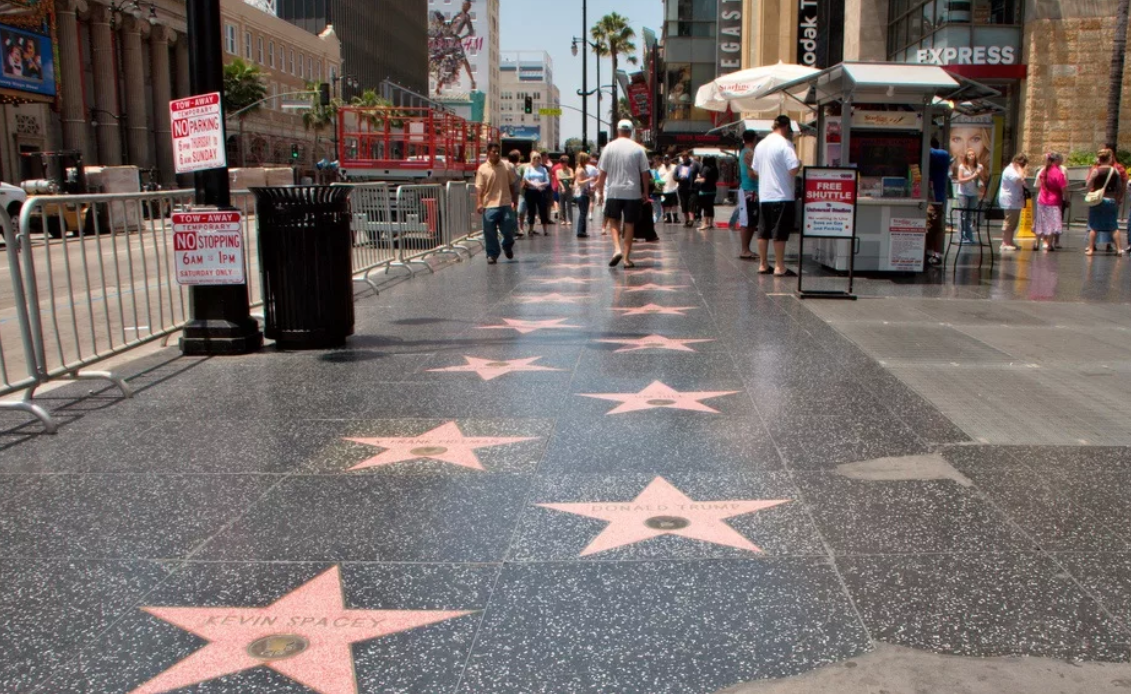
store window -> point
(247, 45)
(230, 39)
(271, 54)
(259, 50)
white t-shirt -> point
(667, 174)
(969, 188)
(591, 174)
(1010, 196)
(623, 161)
(774, 159)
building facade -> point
(289, 60)
(1050, 59)
(118, 71)
(525, 74)
(381, 39)
(463, 57)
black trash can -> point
(306, 264)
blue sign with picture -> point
(28, 62)
(526, 132)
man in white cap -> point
(628, 181)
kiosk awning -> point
(881, 83)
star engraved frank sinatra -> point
(662, 509)
(304, 635)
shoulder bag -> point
(1095, 197)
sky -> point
(550, 25)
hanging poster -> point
(457, 49)
(27, 62)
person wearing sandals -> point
(1104, 216)
(624, 168)
(708, 188)
(565, 192)
(584, 179)
(1011, 199)
(748, 194)
(1049, 218)
(776, 164)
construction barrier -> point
(94, 276)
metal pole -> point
(585, 75)
(221, 321)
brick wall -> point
(1065, 102)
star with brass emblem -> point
(489, 369)
(530, 326)
(659, 396)
(446, 443)
(656, 342)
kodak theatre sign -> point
(730, 36)
(807, 32)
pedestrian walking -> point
(670, 193)
(565, 180)
(657, 191)
(624, 168)
(776, 164)
(493, 185)
(520, 204)
(1048, 222)
(747, 194)
(513, 160)
(970, 177)
(685, 175)
(585, 180)
(1011, 198)
(1105, 194)
(536, 183)
(708, 183)
(938, 176)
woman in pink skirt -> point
(1048, 219)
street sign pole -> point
(221, 322)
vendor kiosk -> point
(878, 118)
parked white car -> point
(12, 198)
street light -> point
(585, 92)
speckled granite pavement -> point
(532, 478)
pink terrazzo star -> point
(304, 635)
(445, 443)
(655, 342)
(565, 280)
(653, 287)
(657, 396)
(661, 509)
(648, 271)
(529, 326)
(650, 309)
(489, 369)
(554, 298)
(570, 266)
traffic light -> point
(294, 152)
(324, 94)
(529, 105)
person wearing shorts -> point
(624, 169)
(776, 164)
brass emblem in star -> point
(489, 369)
(446, 443)
(659, 396)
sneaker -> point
(1008, 248)
(492, 261)
(509, 253)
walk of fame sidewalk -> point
(551, 476)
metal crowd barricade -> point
(459, 212)
(18, 368)
(417, 215)
(99, 277)
(372, 229)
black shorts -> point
(671, 199)
(620, 208)
(775, 220)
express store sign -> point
(967, 55)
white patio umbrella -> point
(739, 91)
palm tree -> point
(1115, 88)
(626, 110)
(614, 37)
(244, 90)
(319, 117)
(370, 99)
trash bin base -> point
(308, 339)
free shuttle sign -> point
(198, 133)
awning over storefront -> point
(881, 83)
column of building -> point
(159, 39)
(106, 112)
(133, 67)
(73, 107)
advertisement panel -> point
(28, 62)
(458, 49)
(639, 97)
(907, 244)
(976, 134)
(522, 132)
(830, 203)
(730, 36)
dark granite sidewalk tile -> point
(905, 517)
(1072, 460)
(785, 529)
(690, 627)
(1106, 575)
(833, 438)
(982, 605)
(54, 608)
(659, 441)
(428, 658)
(120, 516)
(387, 517)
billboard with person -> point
(457, 49)
(28, 63)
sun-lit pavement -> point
(550, 476)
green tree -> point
(243, 88)
(370, 99)
(625, 109)
(319, 116)
(614, 38)
(574, 144)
